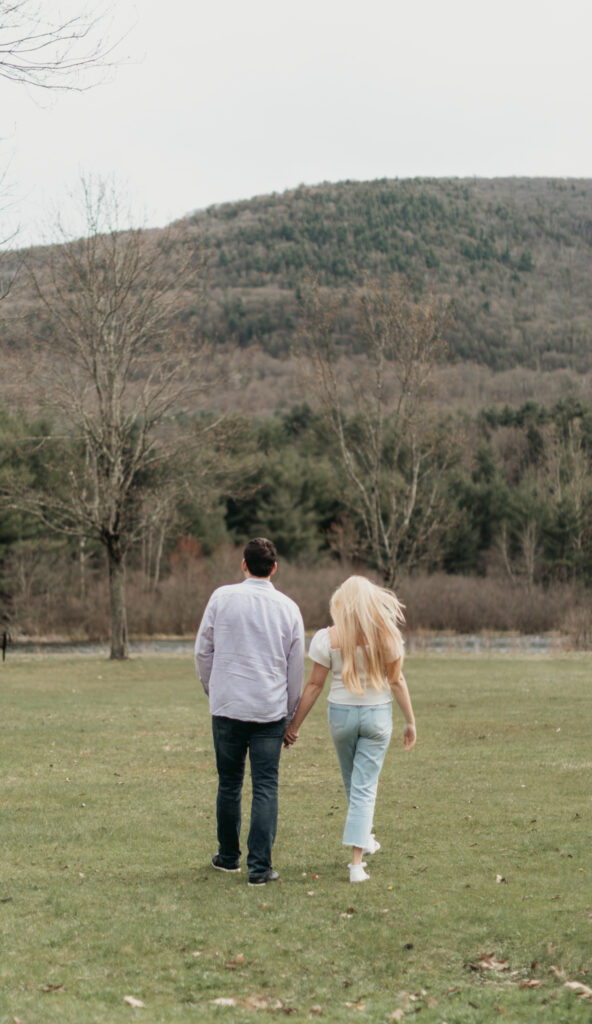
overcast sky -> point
(227, 99)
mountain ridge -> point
(513, 256)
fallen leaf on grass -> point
(356, 1006)
(232, 964)
(256, 1003)
(531, 983)
(557, 973)
(132, 1001)
(500, 878)
(396, 1015)
(51, 988)
(253, 1002)
(489, 962)
(316, 1010)
(583, 990)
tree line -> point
(515, 501)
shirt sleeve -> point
(204, 646)
(320, 648)
(295, 666)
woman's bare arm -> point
(400, 691)
(309, 697)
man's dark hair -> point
(260, 555)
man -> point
(249, 654)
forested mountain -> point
(469, 478)
(513, 256)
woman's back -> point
(323, 651)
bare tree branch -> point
(392, 453)
(52, 52)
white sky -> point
(226, 99)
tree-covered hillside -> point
(513, 255)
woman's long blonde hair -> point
(368, 617)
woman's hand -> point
(290, 736)
(409, 736)
(311, 692)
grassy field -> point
(480, 901)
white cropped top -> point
(320, 650)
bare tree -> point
(116, 371)
(160, 514)
(50, 51)
(565, 482)
(391, 450)
(529, 543)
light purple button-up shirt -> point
(249, 652)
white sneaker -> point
(372, 846)
(357, 873)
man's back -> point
(250, 652)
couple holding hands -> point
(249, 654)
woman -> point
(364, 650)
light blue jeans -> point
(361, 735)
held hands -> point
(290, 736)
(409, 736)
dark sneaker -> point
(269, 876)
(217, 863)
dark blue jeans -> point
(263, 741)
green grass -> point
(107, 816)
